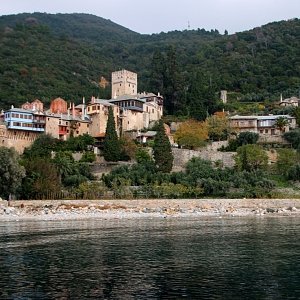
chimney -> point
(73, 110)
(83, 109)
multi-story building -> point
(265, 126)
(63, 126)
(138, 111)
(123, 82)
(22, 127)
(23, 119)
(97, 111)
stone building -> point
(97, 111)
(138, 111)
(293, 102)
(123, 82)
(265, 126)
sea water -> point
(173, 258)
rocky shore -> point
(153, 208)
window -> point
(266, 130)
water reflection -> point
(151, 259)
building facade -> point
(123, 82)
(264, 126)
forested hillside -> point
(45, 56)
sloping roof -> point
(124, 97)
(20, 110)
(101, 101)
(149, 133)
(269, 117)
(67, 117)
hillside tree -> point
(112, 147)
(162, 151)
(11, 172)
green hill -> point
(45, 56)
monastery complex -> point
(133, 111)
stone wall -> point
(182, 156)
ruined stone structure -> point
(103, 83)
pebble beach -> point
(39, 210)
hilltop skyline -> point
(163, 16)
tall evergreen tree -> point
(162, 151)
(112, 147)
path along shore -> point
(162, 208)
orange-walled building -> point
(59, 106)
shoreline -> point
(60, 210)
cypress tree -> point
(162, 151)
(112, 147)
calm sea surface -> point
(247, 258)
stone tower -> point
(123, 83)
(224, 96)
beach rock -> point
(270, 210)
(294, 208)
(9, 210)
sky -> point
(155, 16)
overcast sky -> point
(154, 16)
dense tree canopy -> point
(191, 134)
(11, 172)
(251, 157)
(162, 151)
(45, 56)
